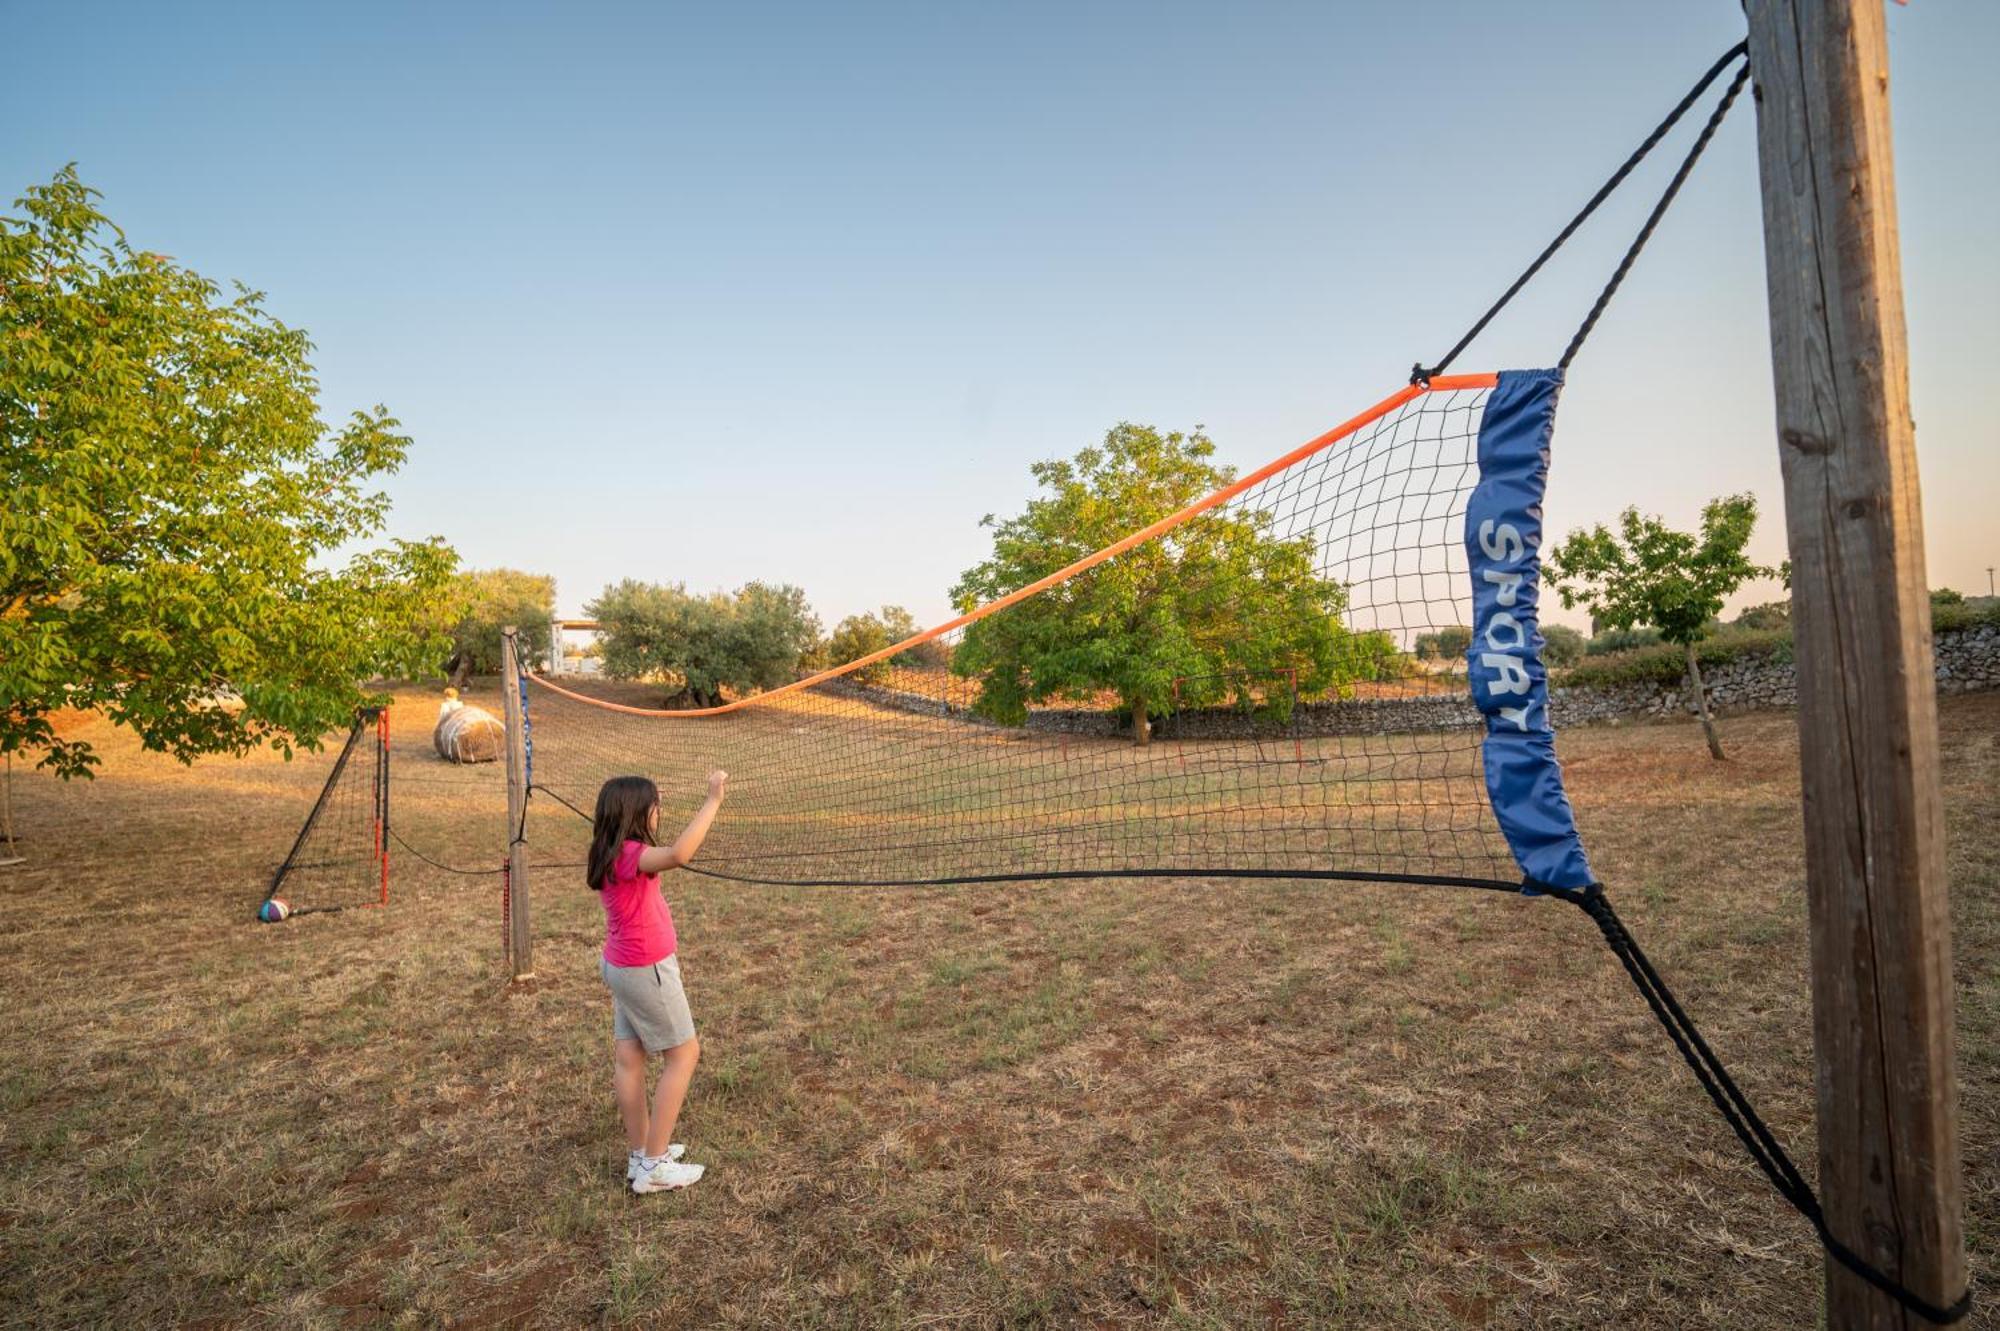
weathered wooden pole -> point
(8, 845)
(520, 935)
(1874, 825)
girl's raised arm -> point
(654, 859)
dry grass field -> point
(1105, 1103)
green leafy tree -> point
(1561, 645)
(481, 603)
(1219, 606)
(705, 643)
(1373, 656)
(1608, 641)
(901, 625)
(1769, 616)
(869, 632)
(1446, 644)
(1650, 574)
(171, 545)
(855, 637)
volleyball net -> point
(1295, 691)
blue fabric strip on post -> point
(1503, 540)
(527, 734)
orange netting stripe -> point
(1442, 383)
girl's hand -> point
(717, 781)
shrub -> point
(1620, 640)
(855, 637)
(1770, 615)
(1666, 663)
(901, 624)
(859, 635)
(1444, 644)
(1659, 662)
(1561, 645)
(1374, 656)
(1963, 614)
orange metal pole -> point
(1444, 383)
(382, 809)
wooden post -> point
(8, 859)
(518, 930)
(1881, 934)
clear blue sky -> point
(797, 292)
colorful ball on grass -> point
(273, 910)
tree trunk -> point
(458, 671)
(1701, 705)
(1142, 725)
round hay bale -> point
(469, 735)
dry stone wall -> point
(1967, 659)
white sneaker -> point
(674, 1152)
(667, 1176)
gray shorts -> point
(648, 1005)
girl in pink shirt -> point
(641, 967)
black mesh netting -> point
(1359, 758)
(337, 859)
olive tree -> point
(481, 603)
(704, 643)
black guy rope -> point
(1065, 875)
(1737, 1111)
(560, 800)
(397, 837)
(1653, 219)
(1419, 374)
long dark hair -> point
(624, 813)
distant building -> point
(573, 647)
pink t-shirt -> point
(638, 927)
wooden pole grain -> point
(519, 930)
(1889, 1164)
